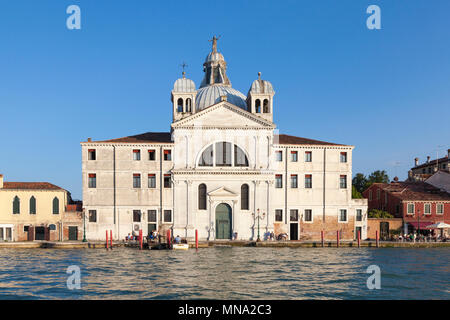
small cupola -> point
(183, 98)
(260, 98)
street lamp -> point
(259, 217)
(84, 225)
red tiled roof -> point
(30, 186)
(414, 191)
(287, 139)
(148, 137)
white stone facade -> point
(249, 139)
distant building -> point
(421, 172)
(221, 164)
(419, 204)
(441, 180)
(38, 211)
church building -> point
(221, 169)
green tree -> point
(375, 213)
(379, 176)
(359, 182)
(356, 194)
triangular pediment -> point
(222, 192)
(223, 115)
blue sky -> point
(385, 91)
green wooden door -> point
(223, 221)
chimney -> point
(428, 159)
(396, 179)
(89, 140)
(416, 162)
(1, 181)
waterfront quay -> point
(213, 244)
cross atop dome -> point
(214, 43)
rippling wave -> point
(226, 273)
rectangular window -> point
(278, 215)
(167, 182)
(151, 216)
(410, 208)
(294, 215)
(308, 181)
(385, 198)
(92, 215)
(278, 181)
(308, 215)
(151, 155)
(343, 182)
(152, 180)
(279, 155)
(308, 156)
(167, 155)
(294, 181)
(358, 215)
(343, 157)
(342, 215)
(167, 215)
(136, 180)
(136, 215)
(294, 156)
(439, 208)
(92, 180)
(370, 195)
(427, 208)
(26, 228)
(91, 154)
(378, 194)
(136, 154)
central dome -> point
(207, 96)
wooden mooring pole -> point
(110, 239)
(377, 239)
(107, 240)
(140, 239)
(337, 239)
(196, 239)
(359, 239)
(322, 238)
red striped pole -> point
(322, 238)
(196, 239)
(377, 239)
(337, 239)
(106, 239)
(140, 239)
(110, 239)
(359, 239)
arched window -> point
(32, 205)
(188, 105)
(207, 159)
(258, 106)
(240, 159)
(16, 205)
(266, 106)
(202, 197)
(223, 154)
(55, 205)
(220, 154)
(244, 197)
(180, 105)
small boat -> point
(180, 246)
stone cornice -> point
(126, 144)
(313, 146)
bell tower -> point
(183, 98)
(260, 98)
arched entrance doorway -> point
(223, 221)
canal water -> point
(226, 273)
